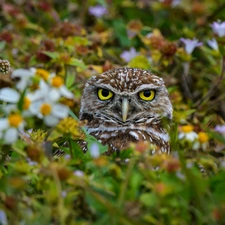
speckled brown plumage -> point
(143, 120)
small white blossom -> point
(213, 44)
(218, 28)
(25, 77)
(10, 127)
(51, 112)
(190, 44)
(12, 97)
(187, 133)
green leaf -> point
(148, 199)
(77, 62)
(52, 55)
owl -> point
(125, 105)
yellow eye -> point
(104, 94)
(147, 95)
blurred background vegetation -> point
(79, 39)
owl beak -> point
(125, 108)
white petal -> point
(60, 111)
(51, 120)
(9, 108)
(11, 135)
(22, 73)
(65, 92)
(53, 95)
(191, 136)
(22, 84)
(180, 135)
(43, 86)
(9, 95)
(35, 107)
(4, 124)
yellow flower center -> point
(187, 128)
(46, 109)
(26, 103)
(203, 137)
(42, 73)
(57, 81)
(15, 120)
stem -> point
(213, 88)
(184, 79)
(219, 9)
(71, 149)
(125, 183)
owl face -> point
(126, 105)
(126, 95)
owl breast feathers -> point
(126, 105)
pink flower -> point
(190, 44)
(218, 28)
(97, 11)
(128, 55)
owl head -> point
(125, 96)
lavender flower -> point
(128, 55)
(190, 45)
(173, 2)
(220, 128)
(213, 44)
(98, 11)
(218, 28)
(78, 173)
(3, 218)
(94, 150)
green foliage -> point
(66, 44)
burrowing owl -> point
(126, 105)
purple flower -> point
(173, 2)
(78, 173)
(3, 217)
(128, 55)
(190, 45)
(213, 44)
(218, 28)
(220, 128)
(94, 150)
(98, 11)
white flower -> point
(10, 127)
(128, 55)
(213, 44)
(50, 111)
(190, 45)
(201, 141)
(94, 150)
(25, 76)
(11, 96)
(187, 133)
(218, 28)
(58, 89)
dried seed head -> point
(4, 66)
